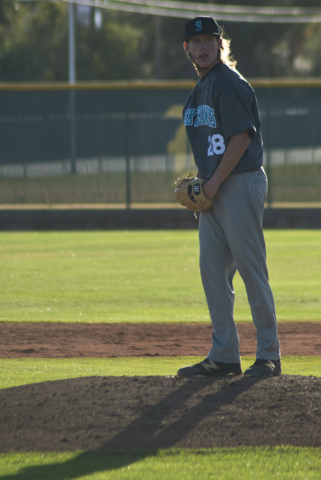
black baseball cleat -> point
(208, 368)
(264, 368)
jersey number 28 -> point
(216, 145)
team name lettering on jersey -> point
(204, 116)
(189, 115)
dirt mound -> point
(107, 413)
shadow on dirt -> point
(166, 423)
(162, 425)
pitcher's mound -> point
(106, 413)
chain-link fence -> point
(125, 144)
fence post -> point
(128, 199)
(268, 149)
(72, 81)
(127, 154)
(72, 138)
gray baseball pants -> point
(231, 239)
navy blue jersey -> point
(222, 104)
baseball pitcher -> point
(223, 126)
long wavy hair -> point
(225, 52)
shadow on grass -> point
(142, 438)
(86, 463)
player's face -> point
(203, 50)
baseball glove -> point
(190, 194)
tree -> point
(34, 44)
(35, 48)
(109, 52)
(272, 49)
(7, 9)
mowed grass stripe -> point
(17, 372)
(262, 463)
(142, 276)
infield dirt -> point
(106, 413)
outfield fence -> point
(124, 143)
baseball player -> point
(223, 126)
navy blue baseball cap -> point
(201, 26)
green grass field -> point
(145, 277)
(286, 463)
(15, 372)
(141, 276)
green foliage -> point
(6, 11)
(308, 59)
(110, 52)
(275, 49)
(34, 44)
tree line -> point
(113, 45)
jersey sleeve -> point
(234, 102)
